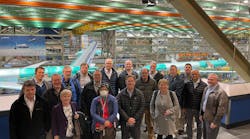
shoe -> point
(145, 130)
(180, 132)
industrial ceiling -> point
(231, 16)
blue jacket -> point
(59, 120)
(75, 88)
(96, 110)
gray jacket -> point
(216, 107)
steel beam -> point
(196, 16)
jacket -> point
(192, 96)
(97, 111)
(59, 120)
(122, 78)
(113, 81)
(176, 84)
(158, 76)
(87, 95)
(147, 88)
(77, 76)
(41, 90)
(216, 107)
(75, 88)
(22, 126)
(131, 106)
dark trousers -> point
(109, 133)
(189, 117)
(209, 133)
(130, 131)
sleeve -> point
(179, 90)
(152, 105)
(83, 104)
(47, 114)
(176, 108)
(184, 95)
(112, 117)
(93, 112)
(122, 113)
(222, 107)
(12, 123)
(140, 112)
(55, 122)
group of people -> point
(91, 106)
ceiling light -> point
(214, 7)
(245, 1)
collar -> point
(38, 83)
(198, 81)
(107, 70)
(27, 100)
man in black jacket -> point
(193, 91)
(131, 108)
(83, 76)
(29, 115)
(154, 74)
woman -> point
(103, 110)
(63, 115)
(164, 107)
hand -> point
(131, 121)
(212, 126)
(76, 116)
(167, 112)
(107, 123)
(201, 118)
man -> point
(83, 76)
(131, 107)
(52, 96)
(214, 105)
(41, 85)
(28, 115)
(156, 75)
(192, 94)
(147, 86)
(72, 84)
(176, 84)
(187, 76)
(128, 65)
(110, 76)
(90, 91)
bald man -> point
(192, 95)
(214, 105)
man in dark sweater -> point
(193, 91)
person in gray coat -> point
(131, 108)
(214, 105)
(164, 107)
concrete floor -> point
(241, 132)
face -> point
(104, 91)
(144, 74)
(84, 69)
(108, 64)
(130, 82)
(212, 80)
(67, 73)
(153, 67)
(97, 76)
(128, 65)
(29, 92)
(195, 75)
(163, 87)
(66, 98)
(39, 74)
(173, 71)
(188, 69)
(56, 81)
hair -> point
(163, 81)
(128, 76)
(144, 69)
(64, 91)
(188, 64)
(55, 75)
(153, 62)
(108, 59)
(173, 66)
(37, 68)
(28, 83)
(84, 64)
(66, 67)
(213, 74)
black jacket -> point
(131, 107)
(122, 78)
(113, 81)
(20, 123)
(192, 96)
(158, 76)
(87, 95)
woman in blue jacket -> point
(63, 115)
(104, 109)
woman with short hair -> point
(164, 107)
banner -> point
(22, 46)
